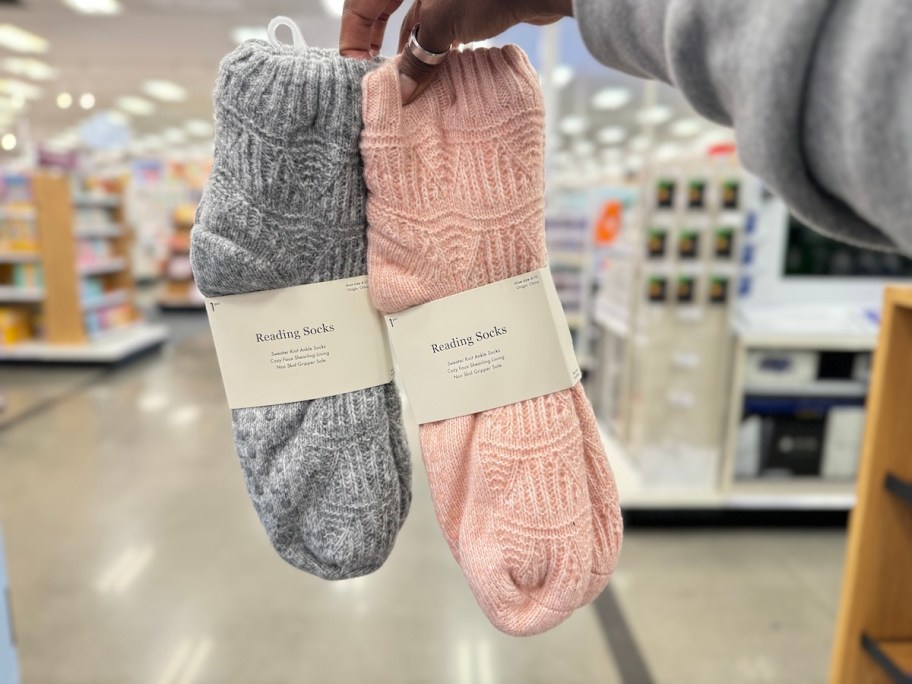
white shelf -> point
(19, 257)
(112, 230)
(109, 347)
(109, 299)
(8, 293)
(100, 200)
(113, 265)
(800, 493)
(822, 388)
(20, 215)
(810, 494)
(612, 322)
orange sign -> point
(608, 225)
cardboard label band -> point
(492, 346)
(299, 343)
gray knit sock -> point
(329, 478)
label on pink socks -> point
(299, 343)
(484, 348)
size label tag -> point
(299, 343)
(488, 347)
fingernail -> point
(407, 86)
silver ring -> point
(422, 55)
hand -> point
(444, 23)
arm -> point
(819, 93)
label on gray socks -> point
(299, 343)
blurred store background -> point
(727, 350)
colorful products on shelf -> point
(14, 326)
(101, 320)
(27, 275)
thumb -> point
(416, 75)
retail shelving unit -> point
(874, 630)
(179, 292)
(81, 301)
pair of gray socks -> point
(285, 205)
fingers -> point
(435, 34)
(357, 35)
(380, 25)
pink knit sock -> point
(523, 493)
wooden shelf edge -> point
(898, 487)
(892, 656)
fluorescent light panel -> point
(166, 91)
(19, 40)
(108, 7)
(137, 106)
(19, 89)
(574, 124)
(198, 127)
(611, 99)
(29, 68)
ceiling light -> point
(686, 128)
(8, 142)
(174, 136)
(198, 127)
(611, 156)
(667, 152)
(64, 100)
(18, 100)
(94, 6)
(87, 100)
(611, 135)
(152, 141)
(117, 117)
(574, 124)
(29, 68)
(561, 76)
(241, 33)
(16, 88)
(333, 7)
(610, 99)
(640, 143)
(166, 91)
(137, 106)
(584, 148)
(20, 40)
(654, 116)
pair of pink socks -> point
(524, 493)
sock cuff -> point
(285, 92)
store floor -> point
(135, 556)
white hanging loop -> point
(298, 40)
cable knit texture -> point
(455, 181)
(329, 478)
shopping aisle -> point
(135, 556)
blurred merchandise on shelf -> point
(665, 345)
(584, 226)
(67, 279)
(157, 190)
(179, 291)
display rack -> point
(874, 629)
(75, 301)
(663, 308)
(179, 291)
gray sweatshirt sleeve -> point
(819, 93)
